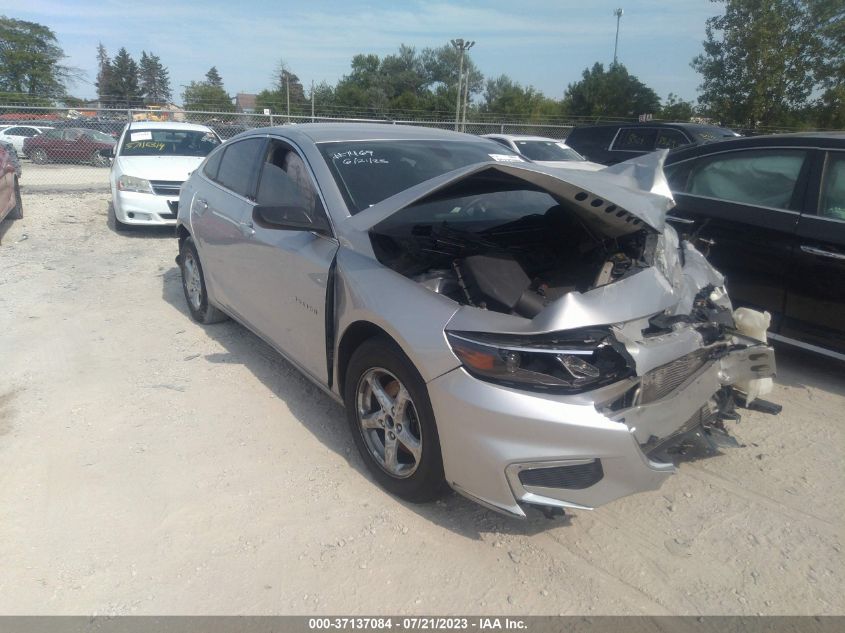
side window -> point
(237, 168)
(833, 188)
(213, 164)
(762, 177)
(668, 139)
(635, 139)
(16, 131)
(53, 134)
(286, 181)
(72, 135)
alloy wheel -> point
(193, 282)
(388, 422)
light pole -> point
(618, 13)
(462, 46)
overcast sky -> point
(542, 43)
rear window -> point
(168, 142)
(368, 172)
(635, 139)
(547, 150)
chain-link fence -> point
(62, 149)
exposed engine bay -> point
(511, 251)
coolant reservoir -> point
(754, 324)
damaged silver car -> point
(531, 337)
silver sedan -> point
(528, 336)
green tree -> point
(285, 82)
(124, 86)
(30, 61)
(506, 98)
(676, 109)
(827, 19)
(609, 93)
(104, 75)
(200, 95)
(760, 61)
(154, 79)
(213, 78)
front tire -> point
(39, 156)
(17, 211)
(116, 224)
(193, 284)
(392, 422)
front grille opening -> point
(660, 382)
(576, 477)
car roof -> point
(795, 139)
(334, 132)
(168, 125)
(522, 137)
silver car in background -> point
(529, 336)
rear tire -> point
(378, 378)
(193, 285)
(99, 160)
(17, 211)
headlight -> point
(566, 362)
(131, 183)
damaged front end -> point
(593, 343)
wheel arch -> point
(353, 337)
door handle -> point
(247, 228)
(675, 218)
(201, 205)
(812, 250)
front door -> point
(288, 284)
(747, 204)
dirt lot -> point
(149, 465)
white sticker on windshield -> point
(141, 136)
(506, 158)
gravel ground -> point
(154, 466)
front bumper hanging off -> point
(507, 448)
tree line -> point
(764, 63)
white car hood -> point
(584, 165)
(174, 168)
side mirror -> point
(109, 152)
(289, 218)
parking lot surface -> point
(150, 465)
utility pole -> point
(618, 13)
(466, 101)
(287, 92)
(312, 101)
(462, 46)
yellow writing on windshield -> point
(156, 145)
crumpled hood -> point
(615, 200)
(176, 168)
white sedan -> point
(545, 151)
(15, 134)
(152, 160)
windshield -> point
(368, 172)
(168, 143)
(547, 150)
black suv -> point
(610, 143)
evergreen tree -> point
(30, 61)
(104, 76)
(124, 84)
(154, 79)
(213, 78)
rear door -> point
(747, 202)
(220, 212)
(815, 305)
